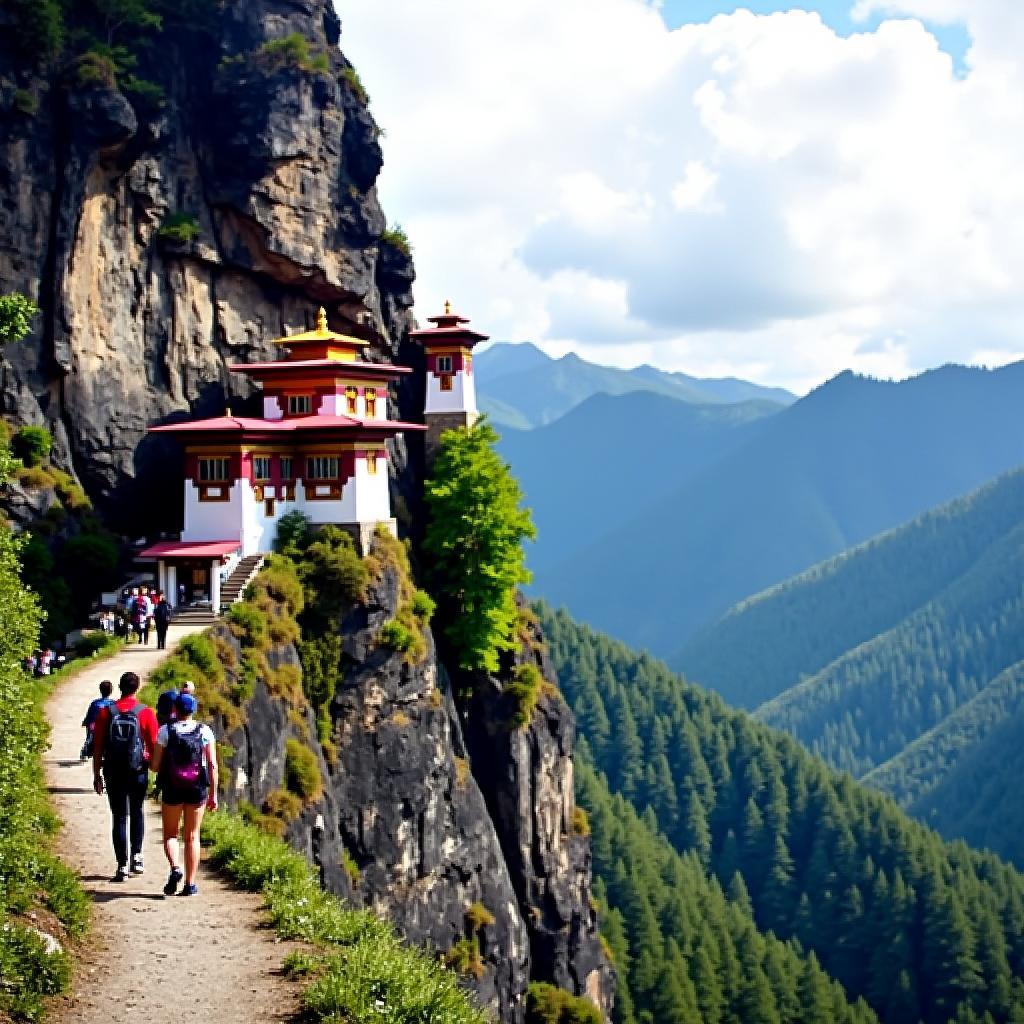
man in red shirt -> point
(125, 736)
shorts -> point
(193, 796)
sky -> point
(726, 189)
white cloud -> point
(750, 194)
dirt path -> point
(147, 958)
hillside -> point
(566, 467)
(922, 929)
(852, 459)
(867, 705)
(771, 641)
(521, 387)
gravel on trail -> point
(148, 958)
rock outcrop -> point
(272, 160)
(423, 827)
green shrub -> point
(248, 623)
(580, 822)
(301, 771)
(355, 83)
(478, 916)
(290, 51)
(522, 694)
(293, 533)
(350, 866)
(396, 635)
(95, 69)
(180, 229)
(423, 606)
(25, 102)
(17, 312)
(92, 643)
(34, 478)
(283, 804)
(397, 239)
(277, 583)
(32, 444)
(546, 1004)
(464, 958)
(199, 651)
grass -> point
(360, 969)
(34, 883)
(180, 229)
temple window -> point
(213, 470)
(351, 394)
(322, 467)
(286, 467)
(261, 467)
(371, 463)
(444, 364)
(371, 402)
(446, 382)
(300, 405)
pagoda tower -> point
(451, 389)
(320, 448)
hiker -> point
(139, 610)
(165, 714)
(162, 619)
(185, 761)
(124, 739)
(89, 722)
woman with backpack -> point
(185, 760)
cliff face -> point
(275, 162)
(272, 158)
(421, 825)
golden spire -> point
(447, 307)
(321, 320)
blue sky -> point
(835, 13)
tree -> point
(475, 541)
(16, 313)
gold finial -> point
(321, 320)
(447, 307)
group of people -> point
(144, 610)
(127, 740)
(44, 661)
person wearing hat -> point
(185, 760)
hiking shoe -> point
(189, 890)
(121, 874)
(138, 864)
(173, 881)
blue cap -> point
(186, 703)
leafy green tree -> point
(16, 314)
(474, 540)
(32, 444)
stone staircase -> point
(233, 587)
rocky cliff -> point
(167, 231)
(459, 828)
(269, 159)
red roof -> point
(342, 366)
(191, 549)
(289, 425)
(448, 335)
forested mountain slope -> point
(686, 951)
(520, 386)
(853, 458)
(914, 772)
(582, 474)
(923, 929)
(979, 798)
(769, 642)
(869, 704)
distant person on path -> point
(162, 619)
(124, 740)
(181, 595)
(89, 722)
(139, 612)
(185, 761)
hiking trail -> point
(146, 957)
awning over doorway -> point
(171, 549)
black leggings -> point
(127, 797)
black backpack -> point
(185, 770)
(124, 752)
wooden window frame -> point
(311, 467)
(223, 464)
(295, 400)
(447, 382)
(287, 468)
(257, 475)
(351, 401)
(445, 364)
(370, 398)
